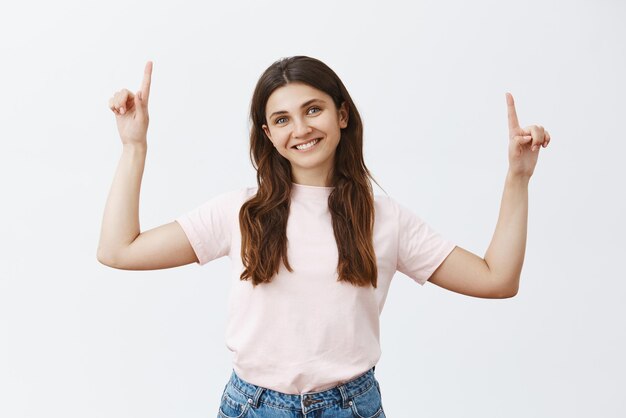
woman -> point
(313, 249)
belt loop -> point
(344, 396)
(257, 395)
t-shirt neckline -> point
(303, 191)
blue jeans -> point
(358, 398)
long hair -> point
(263, 218)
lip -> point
(306, 142)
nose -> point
(301, 128)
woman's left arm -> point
(498, 274)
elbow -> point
(506, 295)
(508, 292)
(505, 288)
(105, 258)
(100, 256)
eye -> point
(277, 121)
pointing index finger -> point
(510, 104)
(145, 84)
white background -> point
(79, 339)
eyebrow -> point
(305, 104)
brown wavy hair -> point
(263, 218)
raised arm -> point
(497, 275)
(122, 245)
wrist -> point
(136, 147)
(519, 179)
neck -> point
(313, 179)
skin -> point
(122, 245)
(131, 111)
(497, 275)
(299, 125)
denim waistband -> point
(340, 394)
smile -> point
(308, 145)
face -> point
(297, 114)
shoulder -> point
(236, 196)
(389, 208)
(386, 205)
(228, 200)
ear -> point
(267, 131)
(343, 115)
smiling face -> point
(297, 114)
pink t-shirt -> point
(305, 331)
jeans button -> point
(307, 401)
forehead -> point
(290, 96)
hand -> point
(524, 144)
(131, 111)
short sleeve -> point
(421, 249)
(208, 226)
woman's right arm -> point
(122, 245)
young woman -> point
(313, 249)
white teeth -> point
(308, 144)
